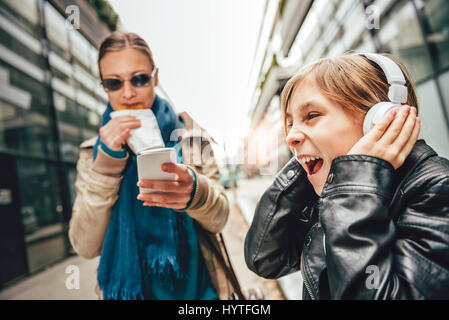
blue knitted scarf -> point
(142, 241)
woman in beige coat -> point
(152, 246)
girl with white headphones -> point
(362, 209)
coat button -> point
(290, 174)
(330, 178)
(307, 241)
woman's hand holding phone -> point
(393, 138)
(174, 194)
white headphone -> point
(397, 92)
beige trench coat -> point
(97, 186)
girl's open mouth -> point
(314, 165)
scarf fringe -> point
(166, 268)
(114, 293)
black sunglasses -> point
(138, 80)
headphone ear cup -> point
(376, 113)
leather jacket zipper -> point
(304, 276)
(306, 283)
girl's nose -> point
(294, 138)
(128, 90)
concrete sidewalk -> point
(54, 283)
(51, 283)
(234, 236)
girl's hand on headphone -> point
(392, 139)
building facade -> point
(417, 31)
(50, 101)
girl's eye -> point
(312, 115)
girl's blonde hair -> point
(117, 41)
(352, 81)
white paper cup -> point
(148, 135)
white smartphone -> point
(149, 164)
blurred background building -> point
(50, 101)
(300, 32)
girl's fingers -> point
(406, 131)
(395, 128)
(379, 129)
(412, 139)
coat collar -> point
(420, 152)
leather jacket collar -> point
(369, 217)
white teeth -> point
(304, 160)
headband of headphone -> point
(397, 92)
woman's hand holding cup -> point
(393, 138)
(115, 133)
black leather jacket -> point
(375, 233)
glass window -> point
(93, 55)
(68, 124)
(70, 172)
(325, 9)
(309, 32)
(21, 43)
(354, 25)
(25, 12)
(56, 31)
(39, 189)
(434, 128)
(101, 95)
(41, 211)
(80, 49)
(24, 121)
(90, 122)
(86, 81)
(343, 9)
(20, 62)
(316, 52)
(443, 81)
(59, 67)
(366, 44)
(331, 32)
(400, 34)
(336, 49)
(273, 114)
(435, 18)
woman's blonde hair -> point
(351, 80)
(117, 41)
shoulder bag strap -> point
(226, 264)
